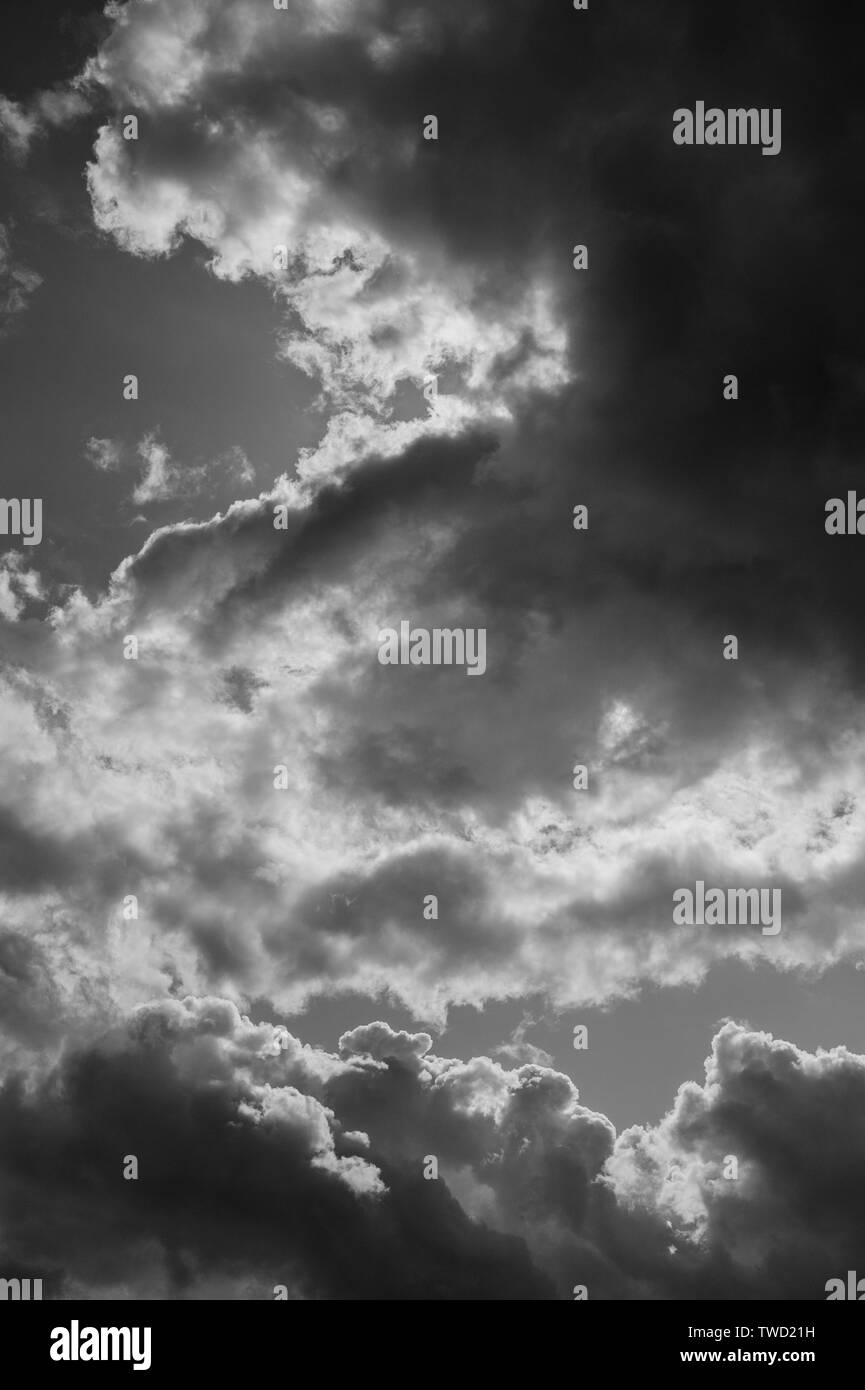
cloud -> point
(104, 454)
(302, 1153)
(17, 127)
(242, 1115)
(792, 1218)
(161, 477)
(18, 584)
(22, 123)
(404, 782)
(17, 283)
(370, 305)
(517, 1049)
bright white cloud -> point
(367, 311)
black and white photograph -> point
(432, 676)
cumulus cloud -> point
(400, 782)
(305, 1153)
(404, 783)
(788, 1216)
(263, 186)
(248, 1118)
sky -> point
(371, 387)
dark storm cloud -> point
(29, 859)
(793, 1217)
(706, 516)
(282, 1194)
(264, 1162)
(29, 1002)
(259, 567)
(370, 908)
(239, 688)
(556, 129)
